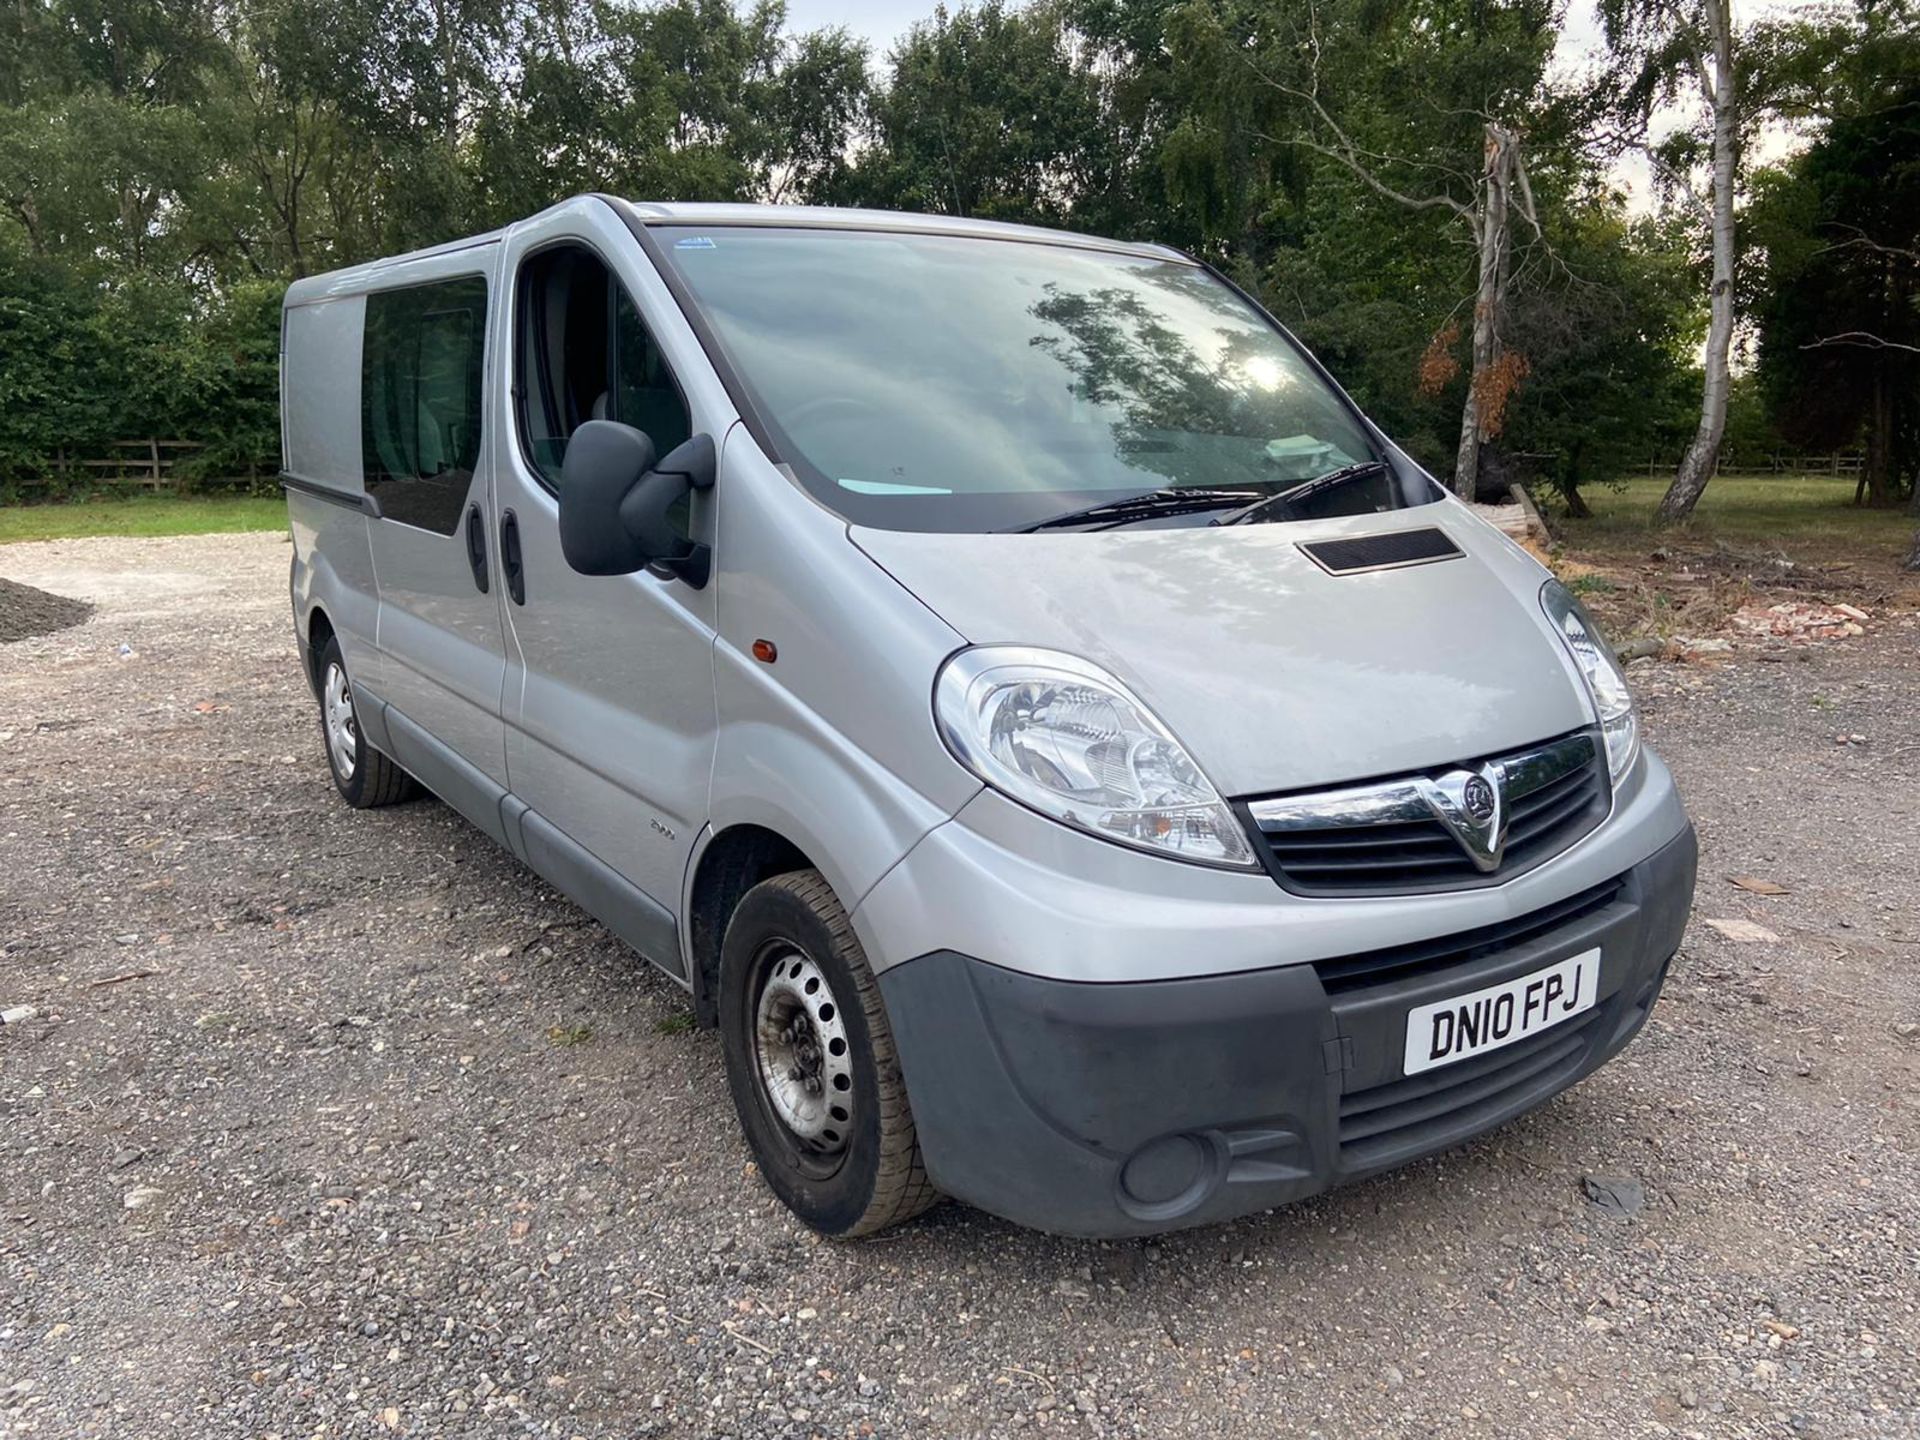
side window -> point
(420, 385)
(645, 395)
(583, 353)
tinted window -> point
(645, 394)
(420, 386)
(584, 354)
(936, 382)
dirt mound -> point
(26, 612)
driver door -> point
(609, 699)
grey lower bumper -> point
(1126, 1109)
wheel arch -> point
(317, 632)
(729, 864)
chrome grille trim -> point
(1449, 828)
(1387, 802)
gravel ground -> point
(342, 1124)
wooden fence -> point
(148, 464)
(1837, 464)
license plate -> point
(1450, 1030)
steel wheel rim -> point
(336, 709)
(802, 1053)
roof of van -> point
(352, 279)
(822, 217)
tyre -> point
(364, 777)
(811, 1062)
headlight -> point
(1606, 682)
(1064, 737)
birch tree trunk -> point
(1696, 467)
(1490, 223)
(1503, 183)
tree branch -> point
(1678, 179)
(1348, 157)
(1864, 339)
(1343, 149)
(1862, 241)
(1526, 206)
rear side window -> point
(420, 385)
(584, 354)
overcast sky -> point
(879, 22)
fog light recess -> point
(1171, 1176)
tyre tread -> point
(383, 781)
(901, 1188)
(378, 779)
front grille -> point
(1386, 1122)
(1348, 973)
(1384, 838)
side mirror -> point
(614, 499)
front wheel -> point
(811, 1062)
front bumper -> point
(1103, 1109)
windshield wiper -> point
(1319, 485)
(1168, 500)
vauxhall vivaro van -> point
(1075, 759)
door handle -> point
(510, 557)
(477, 546)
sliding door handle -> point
(510, 557)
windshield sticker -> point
(887, 487)
(694, 242)
(1297, 445)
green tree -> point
(1839, 317)
(1423, 102)
(687, 100)
(987, 113)
(1609, 334)
(1837, 234)
(818, 103)
(98, 137)
(55, 370)
(1692, 56)
(165, 165)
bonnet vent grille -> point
(1382, 552)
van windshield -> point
(936, 382)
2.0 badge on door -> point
(1472, 1024)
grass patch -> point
(143, 515)
(1591, 585)
(1751, 537)
(1810, 513)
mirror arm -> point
(695, 463)
(696, 460)
(695, 567)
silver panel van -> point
(1076, 760)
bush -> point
(238, 418)
(85, 362)
(58, 372)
